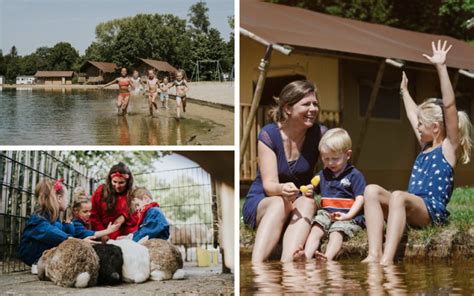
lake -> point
(89, 117)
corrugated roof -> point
(51, 74)
(280, 24)
(160, 65)
(105, 67)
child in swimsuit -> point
(181, 89)
(153, 86)
(124, 94)
(164, 86)
(137, 83)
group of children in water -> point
(45, 230)
(154, 86)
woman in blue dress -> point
(287, 156)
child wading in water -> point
(137, 83)
(444, 136)
(44, 230)
(153, 86)
(342, 188)
(81, 213)
(164, 96)
(182, 89)
(124, 94)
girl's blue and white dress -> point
(432, 179)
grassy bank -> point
(456, 239)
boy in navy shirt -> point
(341, 189)
(151, 220)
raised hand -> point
(404, 83)
(439, 53)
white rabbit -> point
(73, 263)
(136, 260)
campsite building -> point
(98, 72)
(25, 79)
(161, 68)
(54, 77)
(356, 68)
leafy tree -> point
(3, 67)
(12, 62)
(100, 162)
(63, 56)
(199, 18)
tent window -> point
(387, 105)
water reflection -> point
(353, 277)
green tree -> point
(2, 63)
(63, 56)
(199, 18)
(100, 162)
(12, 63)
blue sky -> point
(29, 24)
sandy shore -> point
(218, 93)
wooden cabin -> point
(98, 72)
(54, 77)
(344, 58)
(162, 68)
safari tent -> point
(357, 68)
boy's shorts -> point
(349, 228)
(163, 96)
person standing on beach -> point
(124, 94)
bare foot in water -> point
(299, 255)
(370, 259)
(320, 256)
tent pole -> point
(255, 101)
(373, 97)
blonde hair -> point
(335, 140)
(291, 94)
(140, 193)
(79, 192)
(47, 199)
(431, 111)
(76, 205)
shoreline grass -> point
(455, 239)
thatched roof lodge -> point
(98, 72)
(161, 68)
(54, 77)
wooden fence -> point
(20, 171)
(248, 169)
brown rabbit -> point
(165, 260)
(73, 263)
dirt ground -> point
(199, 280)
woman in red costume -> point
(111, 202)
(124, 83)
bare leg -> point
(313, 241)
(334, 245)
(272, 214)
(178, 107)
(153, 100)
(376, 201)
(299, 227)
(298, 255)
(119, 103)
(403, 206)
(125, 104)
